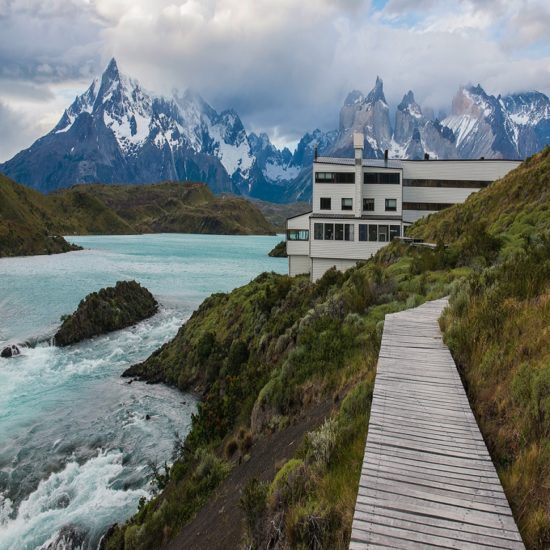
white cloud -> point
(285, 66)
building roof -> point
(353, 217)
(373, 163)
(398, 163)
(298, 215)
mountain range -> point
(118, 132)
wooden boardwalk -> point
(427, 479)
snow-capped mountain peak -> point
(377, 93)
(117, 131)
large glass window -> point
(433, 206)
(382, 177)
(334, 177)
(339, 231)
(458, 184)
(347, 204)
(318, 231)
(298, 234)
(391, 205)
(373, 232)
(395, 231)
(329, 231)
(383, 233)
(348, 232)
(325, 203)
(363, 231)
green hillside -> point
(28, 225)
(160, 208)
(30, 222)
(286, 370)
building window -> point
(347, 204)
(368, 205)
(429, 206)
(391, 205)
(297, 235)
(318, 231)
(334, 177)
(457, 184)
(348, 232)
(383, 233)
(339, 232)
(382, 178)
(373, 232)
(325, 203)
(363, 231)
(329, 231)
(395, 231)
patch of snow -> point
(232, 156)
(280, 172)
(396, 151)
(461, 125)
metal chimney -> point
(358, 145)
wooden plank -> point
(505, 538)
(427, 479)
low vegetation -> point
(111, 308)
(264, 354)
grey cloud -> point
(285, 66)
(17, 130)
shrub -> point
(253, 503)
(231, 447)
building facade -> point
(360, 205)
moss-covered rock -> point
(109, 309)
(279, 251)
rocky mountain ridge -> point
(118, 132)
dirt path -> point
(219, 523)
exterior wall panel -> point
(298, 265)
(297, 247)
(320, 265)
(448, 195)
(299, 222)
(487, 170)
(336, 192)
(380, 192)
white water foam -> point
(81, 494)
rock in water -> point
(10, 351)
(70, 537)
(109, 309)
(279, 251)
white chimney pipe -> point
(358, 144)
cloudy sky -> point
(284, 65)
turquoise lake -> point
(75, 445)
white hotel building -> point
(361, 204)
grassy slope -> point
(169, 207)
(266, 352)
(498, 328)
(27, 223)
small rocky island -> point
(279, 251)
(109, 309)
